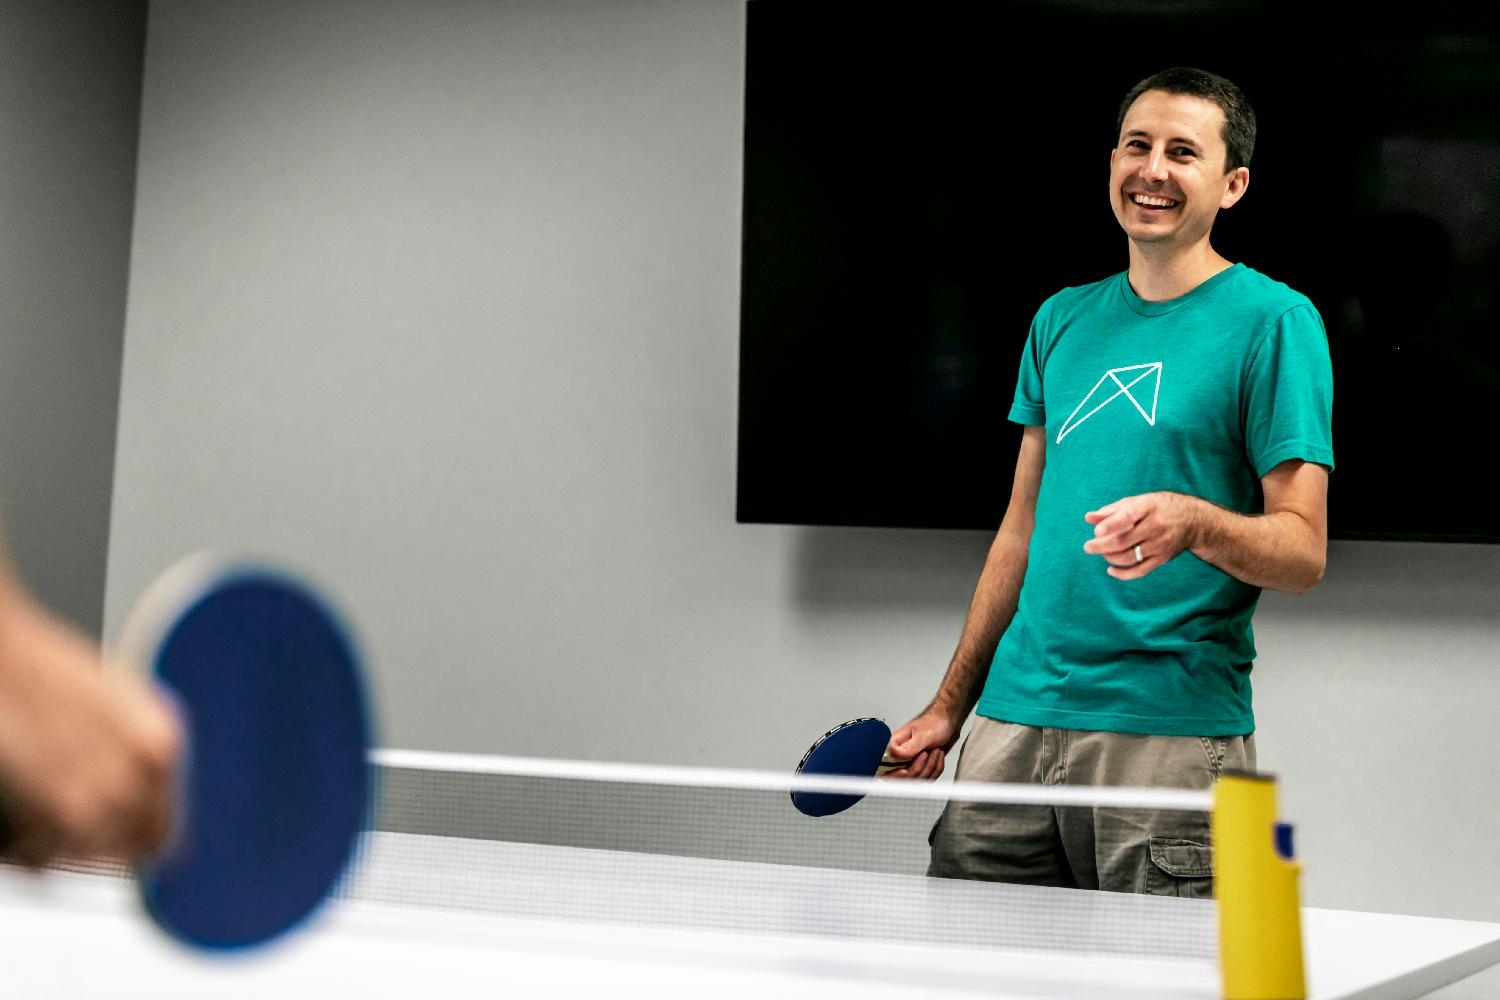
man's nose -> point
(1155, 168)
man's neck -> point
(1168, 274)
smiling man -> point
(1174, 464)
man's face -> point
(1166, 174)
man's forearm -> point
(999, 589)
(1281, 550)
(990, 613)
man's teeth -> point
(1153, 201)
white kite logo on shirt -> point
(1117, 383)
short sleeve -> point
(1028, 408)
(1289, 396)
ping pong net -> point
(722, 850)
(703, 848)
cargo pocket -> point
(1180, 868)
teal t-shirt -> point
(1203, 395)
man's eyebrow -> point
(1174, 141)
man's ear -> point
(1239, 182)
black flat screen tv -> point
(918, 177)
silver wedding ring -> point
(1138, 556)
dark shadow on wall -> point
(879, 570)
(1418, 583)
(853, 571)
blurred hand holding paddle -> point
(87, 752)
(241, 809)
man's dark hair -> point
(1239, 119)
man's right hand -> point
(88, 754)
(926, 741)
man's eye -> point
(1185, 151)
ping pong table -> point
(421, 915)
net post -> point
(1257, 889)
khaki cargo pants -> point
(1166, 852)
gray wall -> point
(439, 302)
(69, 97)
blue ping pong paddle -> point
(275, 789)
(856, 748)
